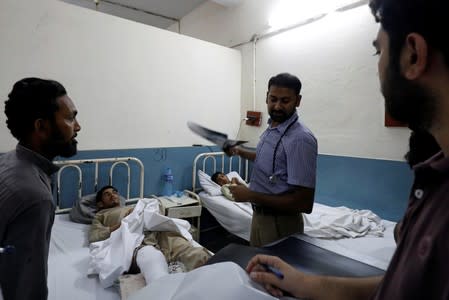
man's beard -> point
(66, 149)
(280, 116)
(59, 146)
(406, 101)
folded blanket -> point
(111, 257)
(339, 222)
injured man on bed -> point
(140, 239)
(222, 180)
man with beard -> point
(282, 184)
(42, 118)
(414, 75)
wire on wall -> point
(255, 38)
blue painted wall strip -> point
(379, 185)
(382, 186)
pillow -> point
(208, 185)
(213, 188)
(84, 210)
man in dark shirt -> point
(42, 118)
(413, 69)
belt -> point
(268, 211)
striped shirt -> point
(295, 160)
(26, 218)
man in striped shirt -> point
(282, 184)
(42, 118)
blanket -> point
(340, 222)
(112, 257)
(219, 281)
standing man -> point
(282, 182)
(413, 68)
(42, 118)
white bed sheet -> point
(372, 250)
(233, 216)
(68, 263)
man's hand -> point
(231, 151)
(235, 180)
(241, 193)
(114, 227)
(293, 281)
(130, 210)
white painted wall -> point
(135, 86)
(333, 58)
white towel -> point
(339, 222)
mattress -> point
(68, 263)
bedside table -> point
(187, 206)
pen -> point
(8, 249)
(273, 270)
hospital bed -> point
(374, 247)
(69, 252)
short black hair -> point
(214, 176)
(31, 99)
(429, 18)
(100, 192)
(286, 80)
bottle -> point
(168, 182)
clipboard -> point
(218, 138)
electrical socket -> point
(253, 118)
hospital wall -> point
(135, 86)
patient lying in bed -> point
(156, 252)
(222, 180)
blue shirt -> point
(295, 161)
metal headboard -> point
(226, 164)
(76, 164)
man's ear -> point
(266, 98)
(41, 125)
(298, 100)
(414, 56)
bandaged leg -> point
(152, 263)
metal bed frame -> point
(227, 164)
(78, 164)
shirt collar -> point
(438, 163)
(43, 163)
(283, 126)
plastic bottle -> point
(168, 183)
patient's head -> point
(220, 178)
(107, 197)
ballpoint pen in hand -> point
(8, 249)
(273, 270)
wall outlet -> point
(253, 118)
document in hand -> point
(218, 138)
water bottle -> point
(168, 183)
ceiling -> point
(158, 13)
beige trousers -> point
(266, 229)
(174, 247)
